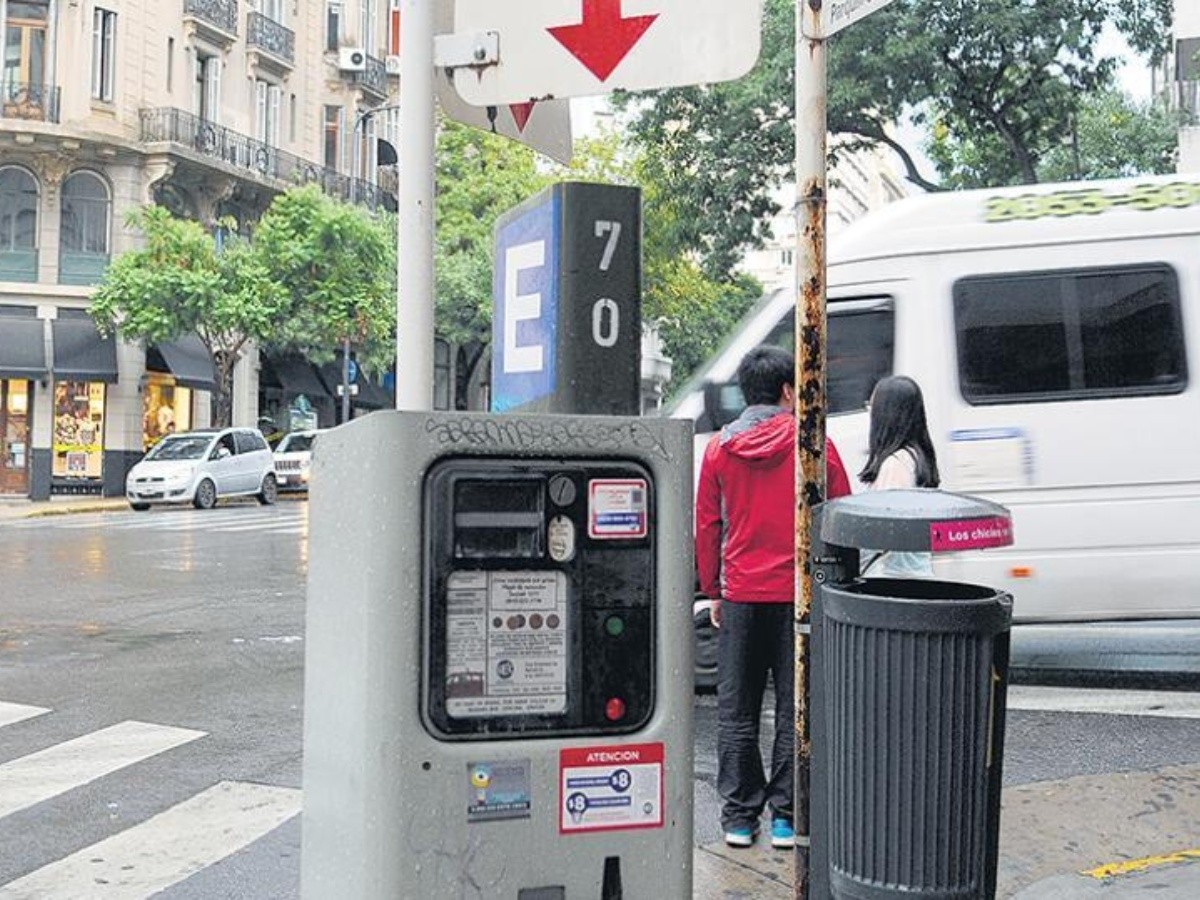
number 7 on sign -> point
(613, 230)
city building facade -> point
(1187, 81)
(208, 107)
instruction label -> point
(610, 788)
(506, 644)
(617, 509)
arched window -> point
(18, 225)
(85, 229)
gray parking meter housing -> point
(908, 681)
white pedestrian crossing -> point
(11, 713)
(287, 518)
(165, 849)
(40, 776)
(1154, 704)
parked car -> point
(293, 457)
(201, 467)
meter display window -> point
(539, 613)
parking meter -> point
(498, 672)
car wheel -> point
(705, 635)
(139, 507)
(270, 490)
(206, 495)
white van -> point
(1052, 329)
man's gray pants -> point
(754, 639)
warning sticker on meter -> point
(617, 509)
(506, 644)
(610, 788)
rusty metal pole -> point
(811, 202)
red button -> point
(614, 709)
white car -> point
(293, 457)
(201, 467)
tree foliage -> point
(1006, 78)
(178, 283)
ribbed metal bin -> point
(915, 674)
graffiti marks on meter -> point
(506, 644)
(610, 788)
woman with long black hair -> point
(901, 455)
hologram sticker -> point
(498, 790)
(617, 509)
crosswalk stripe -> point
(1157, 704)
(11, 713)
(164, 850)
(47, 773)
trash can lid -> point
(915, 520)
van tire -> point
(206, 495)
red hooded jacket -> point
(746, 506)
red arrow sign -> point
(604, 38)
(521, 113)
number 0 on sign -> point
(579, 48)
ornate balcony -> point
(272, 38)
(216, 18)
(21, 100)
(252, 157)
(374, 77)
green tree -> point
(1006, 78)
(336, 262)
(179, 283)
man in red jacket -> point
(745, 553)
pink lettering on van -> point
(970, 534)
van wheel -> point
(269, 492)
(206, 495)
(139, 507)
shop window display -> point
(166, 409)
(78, 429)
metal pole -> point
(345, 380)
(811, 204)
(414, 254)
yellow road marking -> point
(1111, 870)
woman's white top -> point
(899, 472)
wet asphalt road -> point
(195, 620)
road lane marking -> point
(11, 713)
(164, 850)
(1129, 866)
(1157, 704)
(47, 773)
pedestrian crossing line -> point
(165, 849)
(1155, 704)
(11, 713)
(40, 776)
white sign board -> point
(579, 48)
(838, 14)
(546, 126)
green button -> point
(615, 626)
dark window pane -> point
(1131, 332)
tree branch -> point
(873, 132)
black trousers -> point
(755, 639)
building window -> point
(170, 65)
(18, 225)
(25, 44)
(79, 429)
(273, 10)
(1071, 335)
(333, 24)
(292, 115)
(207, 88)
(367, 26)
(394, 27)
(166, 408)
(83, 247)
(441, 374)
(268, 100)
(787, 257)
(104, 54)
(334, 117)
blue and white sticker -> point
(617, 509)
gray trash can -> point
(909, 679)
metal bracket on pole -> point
(466, 51)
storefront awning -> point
(364, 393)
(297, 376)
(80, 352)
(189, 361)
(22, 343)
(371, 394)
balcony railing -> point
(374, 77)
(267, 34)
(21, 100)
(221, 14)
(217, 142)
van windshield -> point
(184, 447)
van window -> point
(1080, 334)
(860, 349)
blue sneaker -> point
(742, 836)
(782, 835)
